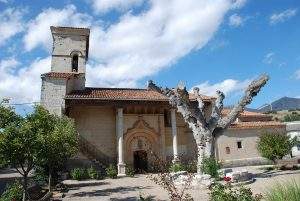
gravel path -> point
(130, 188)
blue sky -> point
(217, 44)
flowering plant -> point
(227, 179)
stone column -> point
(119, 131)
(174, 135)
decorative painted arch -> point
(141, 131)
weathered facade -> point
(128, 125)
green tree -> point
(57, 145)
(57, 138)
(8, 116)
(18, 147)
(40, 140)
(274, 146)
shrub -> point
(210, 166)
(176, 167)
(191, 166)
(79, 174)
(221, 192)
(40, 177)
(129, 171)
(111, 171)
(92, 173)
(13, 192)
(274, 146)
(283, 192)
(292, 117)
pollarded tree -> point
(204, 128)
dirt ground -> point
(130, 188)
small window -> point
(75, 63)
(298, 147)
(227, 150)
(239, 144)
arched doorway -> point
(140, 161)
(140, 142)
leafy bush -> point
(176, 167)
(292, 117)
(111, 171)
(286, 192)
(274, 146)
(40, 177)
(79, 174)
(191, 166)
(221, 192)
(129, 171)
(210, 166)
(13, 192)
(92, 173)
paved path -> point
(130, 188)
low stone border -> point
(250, 181)
(76, 183)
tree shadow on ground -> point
(132, 198)
(109, 191)
(268, 174)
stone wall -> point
(97, 125)
(63, 49)
(53, 91)
(227, 150)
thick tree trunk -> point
(49, 181)
(25, 182)
(201, 153)
(209, 147)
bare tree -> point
(206, 127)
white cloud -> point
(282, 16)
(228, 86)
(235, 20)
(124, 52)
(22, 84)
(297, 74)
(39, 28)
(11, 23)
(3, 1)
(269, 58)
(141, 45)
(103, 6)
(238, 4)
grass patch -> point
(284, 192)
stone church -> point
(121, 125)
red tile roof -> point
(257, 124)
(120, 94)
(245, 113)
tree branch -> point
(217, 108)
(251, 91)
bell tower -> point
(70, 49)
(70, 53)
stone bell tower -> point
(68, 66)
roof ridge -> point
(116, 88)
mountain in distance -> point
(284, 103)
